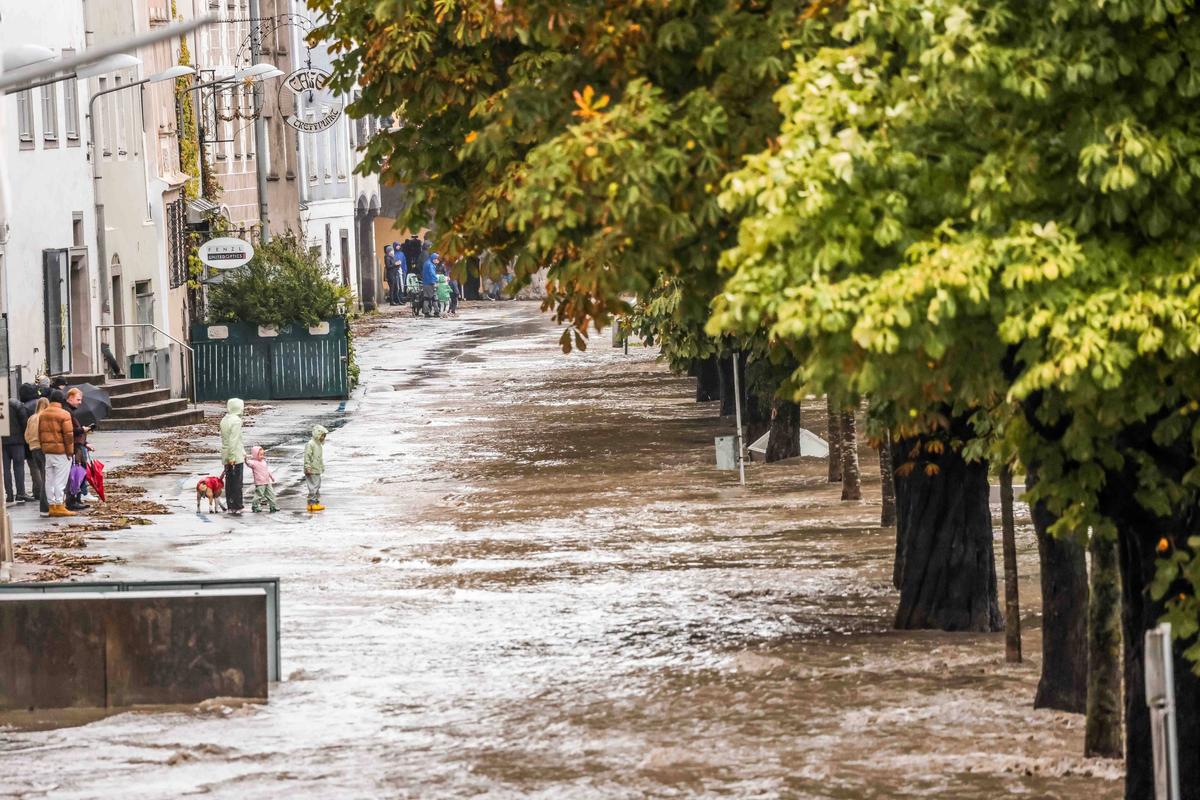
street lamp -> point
(254, 74)
(106, 65)
(122, 61)
(110, 63)
(23, 55)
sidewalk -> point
(150, 479)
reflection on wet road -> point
(532, 583)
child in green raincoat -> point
(442, 287)
(314, 466)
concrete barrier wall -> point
(85, 649)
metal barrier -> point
(190, 378)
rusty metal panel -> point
(88, 649)
(51, 653)
(269, 585)
(183, 647)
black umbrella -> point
(94, 406)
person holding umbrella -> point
(80, 433)
(93, 404)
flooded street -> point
(532, 583)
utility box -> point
(727, 452)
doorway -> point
(56, 304)
(80, 312)
(345, 257)
(118, 312)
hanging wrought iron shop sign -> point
(306, 103)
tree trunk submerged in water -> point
(1138, 533)
(851, 475)
(725, 381)
(834, 437)
(944, 526)
(887, 514)
(1102, 736)
(708, 380)
(1012, 599)
(1064, 580)
(785, 431)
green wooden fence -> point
(291, 363)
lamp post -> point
(101, 241)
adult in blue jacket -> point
(429, 270)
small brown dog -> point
(210, 489)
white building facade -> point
(48, 285)
(326, 158)
(139, 195)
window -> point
(70, 106)
(102, 114)
(340, 149)
(177, 244)
(311, 147)
(119, 99)
(330, 146)
(25, 115)
(50, 113)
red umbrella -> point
(95, 477)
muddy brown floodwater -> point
(532, 582)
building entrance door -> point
(346, 258)
(80, 313)
(57, 304)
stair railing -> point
(191, 377)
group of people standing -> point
(235, 461)
(46, 435)
(411, 267)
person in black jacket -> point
(14, 451)
(413, 249)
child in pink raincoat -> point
(264, 481)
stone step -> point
(76, 379)
(139, 398)
(189, 416)
(128, 386)
(153, 409)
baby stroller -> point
(413, 288)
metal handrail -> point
(184, 345)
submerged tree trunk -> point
(1102, 735)
(887, 514)
(785, 431)
(726, 383)
(834, 437)
(1012, 600)
(899, 458)
(944, 525)
(851, 476)
(1138, 533)
(708, 381)
(1063, 684)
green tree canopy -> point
(587, 137)
(988, 208)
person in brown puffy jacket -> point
(57, 437)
